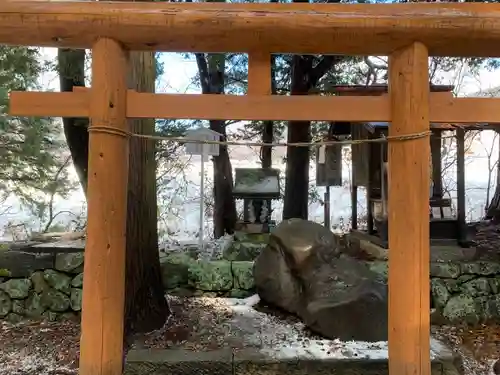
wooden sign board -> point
(360, 154)
(202, 134)
(329, 166)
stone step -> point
(251, 361)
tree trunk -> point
(145, 305)
(493, 210)
(304, 77)
(224, 204)
(268, 126)
(267, 137)
(268, 133)
(297, 158)
(72, 73)
(211, 69)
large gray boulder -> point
(303, 271)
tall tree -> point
(211, 69)
(71, 63)
(266, 152)
(268, 125)
(306, 73)
(146, 307)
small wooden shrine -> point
(446, 226)
(369, 171)
(329, 163)
(257, 187)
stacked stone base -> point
(51, 293)
(461, 291)
(185, 276)
(49, 285)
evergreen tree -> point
(33, 156)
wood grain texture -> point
(443, 107)
(259, 74)
(101, 345)
(408, 178)
(350, 29)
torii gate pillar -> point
(409, 320)
(101, 345)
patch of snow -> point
(268, 184)
(252, 300)
(244, 303)
(281, 339)
(292, 343)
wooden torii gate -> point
(408, 33)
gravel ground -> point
(208, 323)
(479, 346)
(41, 348)
(205, 324)
(196, 324)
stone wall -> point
(184, 275)
(40, 285)
(461, 291)
(49, 285)
(34, 285)
(228, 272)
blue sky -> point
(179, 71)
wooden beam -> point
(101, 346)
(466, 110)
(409, 325)
(210, 107)
(443, 107)
(49, 104)
(347, 29)
(259, 73)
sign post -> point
(326, 212)
(202, 196)
(328, 173)
(204, 150)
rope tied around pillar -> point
(110, 130)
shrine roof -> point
(257, 183)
